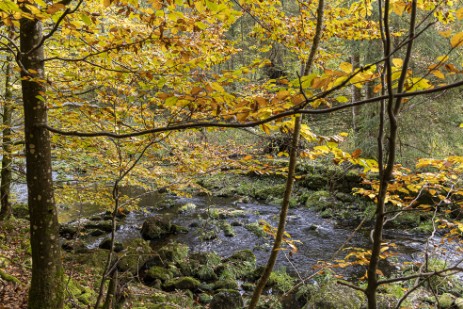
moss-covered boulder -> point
(182, 283)
(204, 298)
(335, 296)
(280, 281)
(228, 284)
(459, 303)
(444, 284)
(105, 226)
(137, 253)
(322, 176)
(227, 299)
(163, 300)
(208, 235)
(446, 300)
(76, 246)
(228, 230)
(157, 273)
(201, 265)
(78, 294)
(188, 207)
(268, 194)
(319, 200)
(68, 231)
(270, 302)
(106, 245)
(174, 252)
(240, 265)
(156, 227)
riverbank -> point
(207, 251)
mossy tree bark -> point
(47, 273)
(7, 159)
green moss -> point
(271, 192)
(182, 283)
(227, 185)
(227, 299)
(157, 272)
(201, 265)
(256, 228)
(174, 252)
(327, 213)
(240, 265)
(446, 284)
(205, 298)
(156, 227)
(226, 284)
(179, 299)
(446, 300)
(186, 208)
(334, 296)
(77, 293)
(8, 277)
(280, 281)
(269, 302)
(228, 230)
(319, 200)
(138, 251)
(208, 235)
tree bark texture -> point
(47, 285)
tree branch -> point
(207, 124)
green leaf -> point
(171, 101)
(87, 20)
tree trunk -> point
(5, 186)
(283, 214)
(356, 92)
(47, 273)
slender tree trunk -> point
(283, 214)
(5, 186)
(47, 283)
(386, 173)
(356, 92)
(305, 70)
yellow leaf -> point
(195, 90)
(398, 7)
(445, 34)
(217, 87)
(397, 62)
(298, 99)
(106, 3)
(461, 125)
(344, 134)
(457, 40)
(265, 128)
(342, 99)
(444, 58)
(346, 67)
(459, 13)
(247, 158)
(55, 8)
(282, 94)
(438, 74)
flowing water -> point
(319, 238)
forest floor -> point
(15, 264)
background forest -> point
(228, 154)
